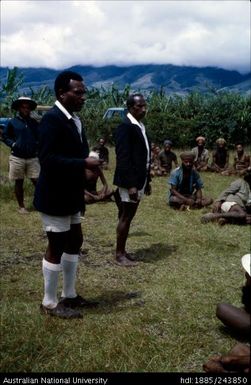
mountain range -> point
(172, 79)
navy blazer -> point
(131, 156)
(60, 187)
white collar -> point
(134, 121)
(61, 107)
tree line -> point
(179, 118)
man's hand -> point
(148, 189)
(189, 201)
(92, 162)
(216, 207)
(198, 202)
(133, 194)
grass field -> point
(156, 317)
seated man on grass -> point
(234, 204)
(238, 321)
(241, 162)
(167, 158)
(220, 157)
(155, 162)
(186, 185)
(92, 177)
(201, 154)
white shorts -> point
(59, 224)
(124, 195)
(20, 167)
(226, 206)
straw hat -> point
(245, 261)
(15, 105)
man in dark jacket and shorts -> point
(132, 173)
(63, 154)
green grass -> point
(156, 317)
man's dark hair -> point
(131, 100)
(63, 80)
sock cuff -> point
(70, 257)
(51, 266)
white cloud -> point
(59, 34)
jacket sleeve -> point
(232, 189)
(8, 135)
(50, 137)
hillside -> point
(174, 79)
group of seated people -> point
(232, 206)
(164, 160)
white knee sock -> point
(69, 266)
(50, 273)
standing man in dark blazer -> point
(59, 194)
(132, 173)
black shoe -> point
(77, 302)
(61, 311)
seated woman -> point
(92, 176)
(220, 157)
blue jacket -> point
(131, 156)
(22, 137)
(60, 187)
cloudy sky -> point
(59, 34)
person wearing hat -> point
(234, 204)
(201, 154)
(167, 157)
(21, 135)
(186, 185)
(220, 156)
(237, 320)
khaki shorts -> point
(19, 168)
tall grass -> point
(156, 317)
